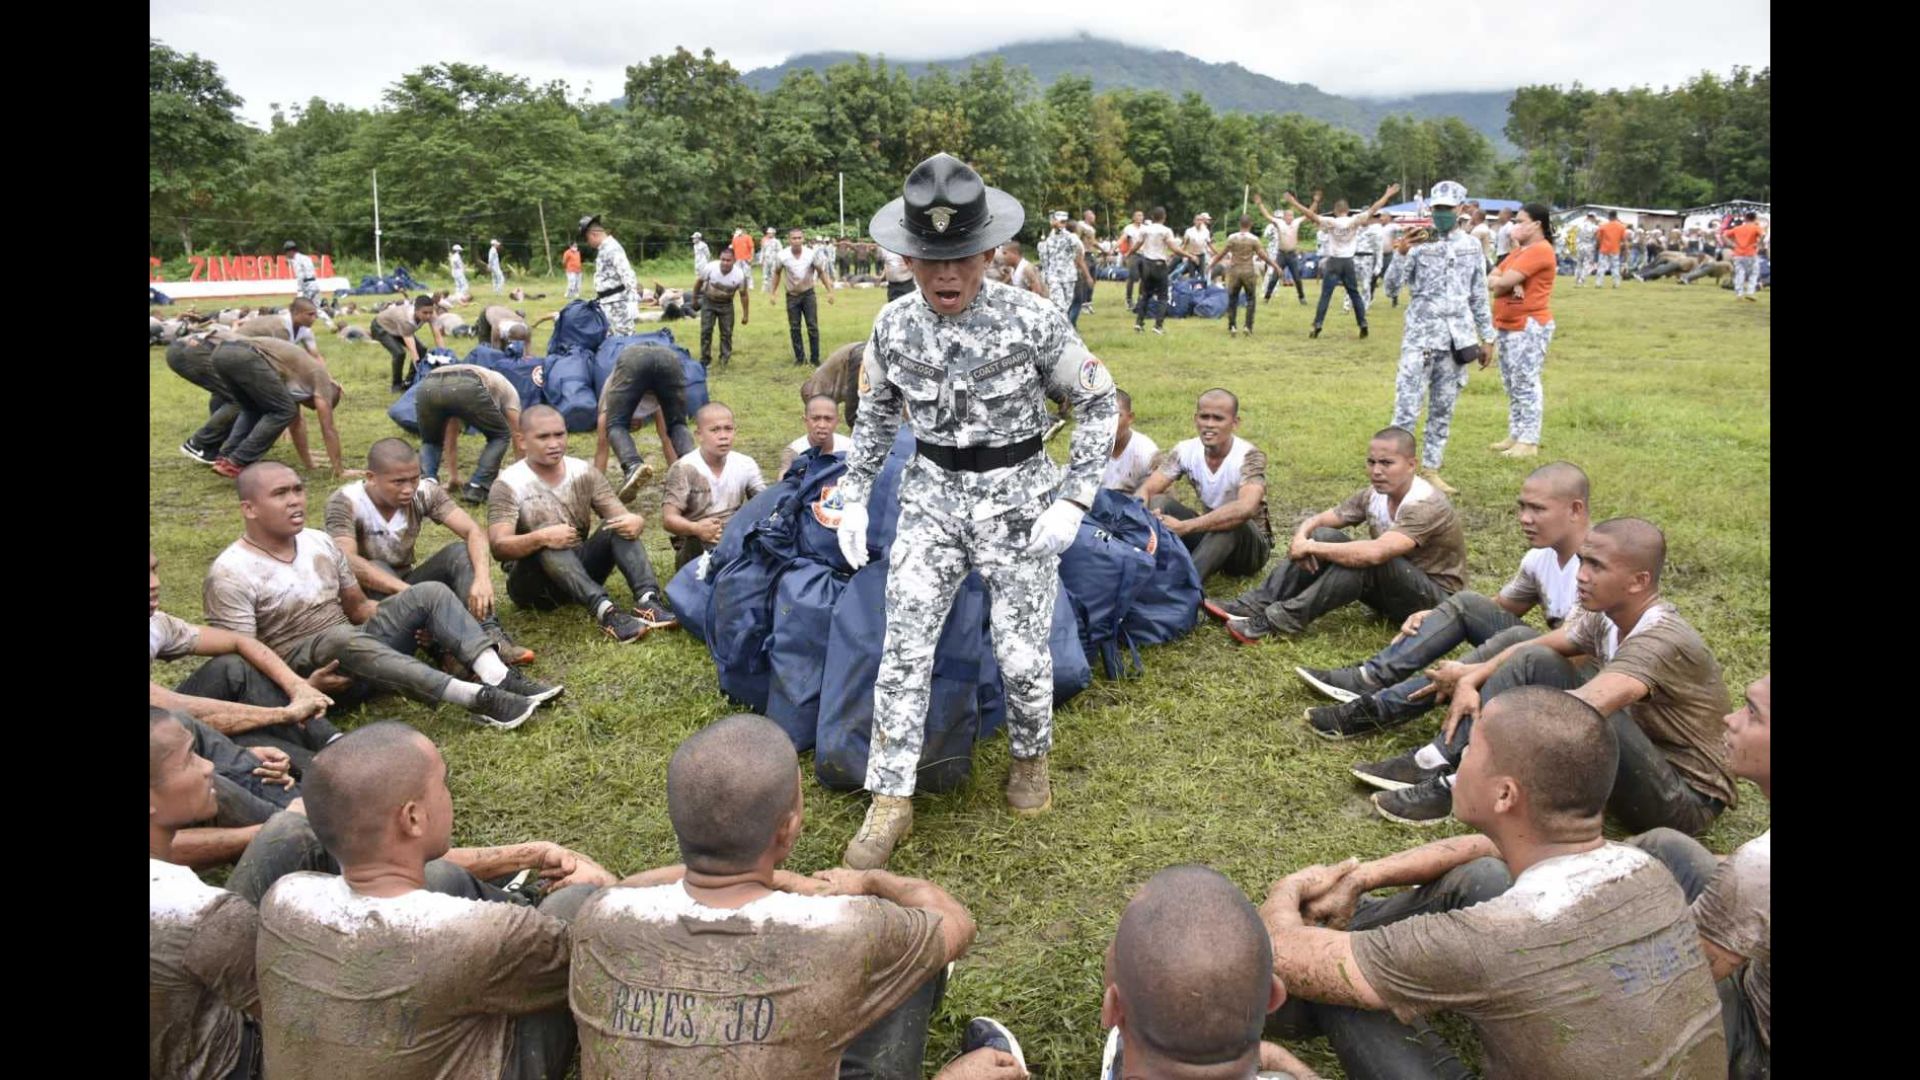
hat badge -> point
(941, 215)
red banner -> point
(239, 268)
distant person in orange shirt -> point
(1609, 238)
(1745, 238)
(571, 260)
(1523, 325)
(743, 253)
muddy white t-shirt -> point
(416, 987)
(200, 943)
(668, 988)
(250, 592)
(1127, 471)
(1588, 966)
(1542, 579)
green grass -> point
(1660, 392)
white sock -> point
(600, 609)
(461, 692)
(491, 669)
(1429, 757)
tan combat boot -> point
(1029, 793)
(1503, 444)
(1432, 476)
(889, 820)
(1523, 449)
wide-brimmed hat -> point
(946, 212)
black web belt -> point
(977, 458)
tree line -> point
(465, 153)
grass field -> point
(1659, 391)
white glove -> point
(853, 534)
(1055, 530)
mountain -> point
(1227, 87)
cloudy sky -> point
(351, 50)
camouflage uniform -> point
(306, 284)
(977, 379)
(459, 267)
(1586, 250)
(1058, 268)
(612, 271)
(1447, 306)
(1366, 257)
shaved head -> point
(165, 730)
(359, 780)
(1399, 438)
(1564, 479)
(390, 453)
(1222, 394)
(1193, 966)
(1640, 543)
(301, 305)
(729, 787)
(1125, 399)
(255, 479)
(828, 398)
(538, 412)
(710, 409)
(1559, 749)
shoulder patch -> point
(827, 507)
(1094, 375)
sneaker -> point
(1232, 330)
(889, 820)
(1159, 331)
(1395, 772)
(1029, 792)
(1249, 630)
(1314, 333)
(1347, 720)
(652, 610)
(201, 456)
(1054, 428)
(538, 692)
(984, 1032)
(226, 467)
(636, 478)
(473, 494)
(1225, 610)
(1340, 684)
(1429, 803)
(1363, 332)
(622, 627)
(511, 653)
(1138, 329)
(397, 388)
(501, 709)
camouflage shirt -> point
(1057, 254)
(1447, 293)
(611, 269)
(981, 378)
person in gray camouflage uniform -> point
(1448, 322)
(306, 283)
(972, 362)
(1063, 263)
(1586, 250)
(613, 280)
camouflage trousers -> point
(620, 313)
(1432, 374)
(1061, 291)
(1583, 264)
(307, 289)
(1746, 275)
(932, 553)
(1523, 353)
(1364, 265)
(1609, 264)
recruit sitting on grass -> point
(1389, 689)
(289, 586)
(796, 975)
(376, 524)
(702, 491)
(470, 982)
(1587, 965)
(1415, 558)
(1229, 474)
(822, 416)
(1627, 653)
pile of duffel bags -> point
(796, 636)
(580, 357)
